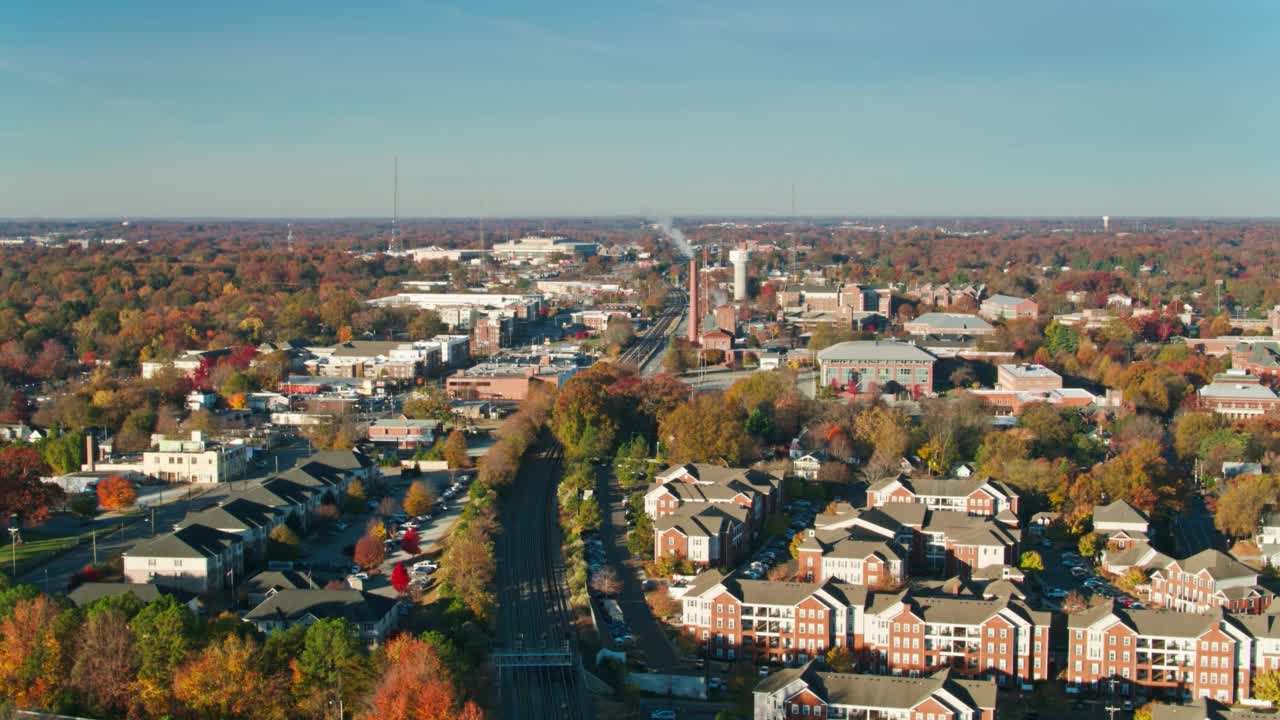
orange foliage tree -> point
(223, 681)
(116, 493)
(32, 653)
(417, 686)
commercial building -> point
(403, 433)
(1008, 307)
(541, 249)
(195, 460)
(1238, 395)
(1023, 376)
(505, 381)
(863, 363)
(948, 325)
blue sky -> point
(536, 108)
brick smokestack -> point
(693, 301)
(90, 452)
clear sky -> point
(1039, 107)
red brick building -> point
(1008, 307)
(972, 495)
(1158, 653)
(865, 363)
(1238, 395)
(1207, 580)
(707, 535)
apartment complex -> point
(708, 514)
(1207, 580)
(806, 692)
(973, 495)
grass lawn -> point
(38, 546)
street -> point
(1193, 529)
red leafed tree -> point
(21, 490)
(116, 493)
(410, 542)
(399, 578)
(370, 552)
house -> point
(196, 558)
(807, 466)
(1268, 538)
(1121, 524)
(269, 582)
(1233, 470)
(1238, 395)
(373, 616)
(195, 460)
(90, 592)
(1008, 307)
(807, 692)
(1207, 580)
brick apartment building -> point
(933, 541)
(705, 534)
(1158, 653)
(973, 495)
(997, 638)
(1121, 524)
(805, 692)
(860, 559)
(1207, 580)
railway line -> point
(653, 340)
(540, 675)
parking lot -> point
(1065, 571)
(775, 551)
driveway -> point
(648, 631)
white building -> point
(195, 460)
(539, 249)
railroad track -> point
(540, 675)
(653, 339)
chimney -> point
(693, 301)
(90, 452)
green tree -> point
(640, 539)
(759, 423)
(163, 634)
(1088, 546)
(1031, 562)
(1061, 339)
(1190, 430)
(329, 649)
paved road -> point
(1193, 529)
(650, 638)
(533, 607)
(685, 709)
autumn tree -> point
(1089, 546)
(411, 543)
(283, 543)
(706, 428)
(356, 497)
(840, 659)
(467, 568)
(22, 492)
(223, 681)
(116, 493)
(33, 652)
(370, 552)
(419, 499)
(163, 634)
(886, 431)
(416, 685)
(399, 578)
(104, 663)
(1031, 562)
(1266, 686)
(455, 451)
(1241, 505)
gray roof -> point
(1228, 390)
(1003, 300)
(355, 606)
(268, 580)
(854, 350)
(342, 459)
(238, 513)
(1206, 709)
(952, 322)
(1165, 623)
(192, 541)
(92, 591)
(1220, 565)
(703, 519)
(1118, 512)
(884, 691)
(365, 348)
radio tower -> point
(393, 247)
(795, 236)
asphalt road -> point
(650, 638)
(1193, 529)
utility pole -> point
(153, 521)
(1111, 711)
(93, 535)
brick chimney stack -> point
(693, 301)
